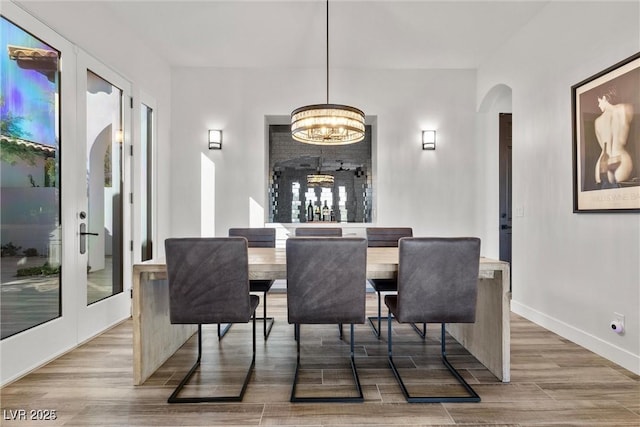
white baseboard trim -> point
(609, 351)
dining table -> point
(155, 339)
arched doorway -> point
(496, 109)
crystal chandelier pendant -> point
(327, 124)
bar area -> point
(318, 184)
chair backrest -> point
(319, 232)
(326, 279)
(208, 280)
(256, 237)
(438, 279)
(386, 237)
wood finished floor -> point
(554, 382)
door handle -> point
(83, 238)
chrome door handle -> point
(83, 239)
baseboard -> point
(609, 351)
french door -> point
(103, 196)
(66, 228)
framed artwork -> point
(606, 139)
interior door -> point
(103, 217)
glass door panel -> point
(102, 237)
(30, 232)
(146, 189)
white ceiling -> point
(291, 33)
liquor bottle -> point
(310, 212)
(317, 213)
(333, 216)
(325, 212)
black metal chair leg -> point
(472, 395)
(237, 398)
(423, 332)
(354, 371)
(268, 321)
(173, 398)
(376, 331)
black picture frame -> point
(606, 110)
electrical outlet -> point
(617, 324)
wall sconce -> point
(428, 139)
(215, 139)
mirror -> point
(313, 183)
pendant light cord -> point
(327, 51)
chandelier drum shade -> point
(327, 124)
(320, 180)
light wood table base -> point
(489, 338)
(155, 339)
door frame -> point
(137, 173)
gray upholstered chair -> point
(437, 283)
(387, 237)
(209, 283)
(259, 238)
(319, 232)
(326, 284)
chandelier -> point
(327, 124)
(320, 180)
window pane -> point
(30, 194)
(104, 188)
(146, 139)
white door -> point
(104, 204)
(52, 296)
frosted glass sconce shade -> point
(215, 139)
(428, 139)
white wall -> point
(432, 191)
(571, 272)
